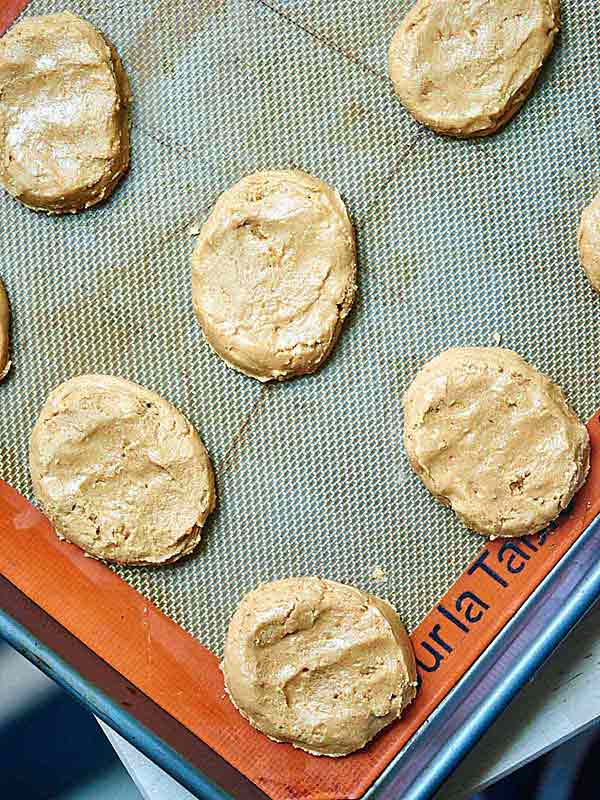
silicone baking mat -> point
(460, 242)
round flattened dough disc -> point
(465, 68)
(120, 472)
(273, 274)
(64, 127)
(589, 242)
(495, 440)
(318, 664)
(4, 332)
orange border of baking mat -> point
(184, 678)
(10, 11)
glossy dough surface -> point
(495, 440)
(318, 664)
(273, 274)
(4, 332)
(589, 242)
(120, 472)
(465, 68)
(64, 129)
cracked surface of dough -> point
(589, 242)
(120, 471)
(318, 664)
(4, 332)
(465, 67)
(493, 438)
(273, 274)
(64, 128)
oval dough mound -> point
(64, 129)
(274, 274)
(120, 471)
(589, 242)
(495, 440)
(465, 68)
(4, 332)
(318, 664)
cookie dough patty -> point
(274, 274)
(120, 472)
(318, 664)
(495, 440)
(64, 130)
(465, 68)
(589, 242)
(4, 332)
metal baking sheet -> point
(459, 243)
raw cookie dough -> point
(465, 68)
(318, 664)
(64, 128)
(4, 332)
(120, 472)
(495, 440)
(274, 274)
(589, 242)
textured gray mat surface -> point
(458, 242)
